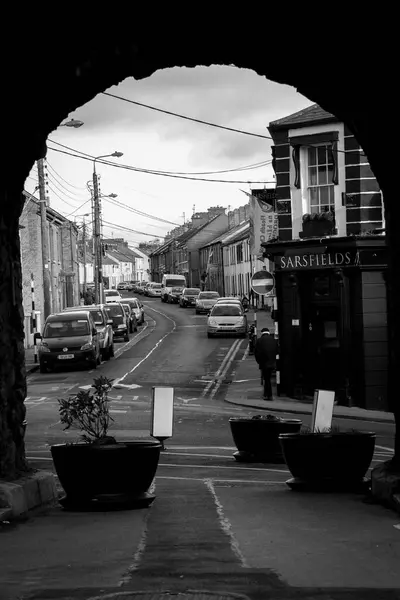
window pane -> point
(324, 195)
(322, 176)
(330, 155)
(332, 195)
(312, 176)
(313, 197)
(330, 174)
(312, 156)
(321, 155)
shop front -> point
(332, 318)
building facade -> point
(330, 262)
(62, 243)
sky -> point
(228, 96)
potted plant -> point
(328, 460)
(99, 471)
(318, 224)
(257, 438)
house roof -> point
(164, 246)
(241, 233)
(226, 236)
(121, 255)
(311, 114)
(182, 239)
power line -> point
(79, 207)
(114, 225)
(84, 156)
(65, 181)
(139, 212)
(54, 178)
(62, 199)
(55, 183)
(168, 112)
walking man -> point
(265, 355)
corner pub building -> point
(330, 262)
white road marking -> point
(114, 397)
(254, 481)
(246, 353)
(226, 525)
(222, 467)
(119, 386)
(226, 369)
(217, 374)
(384, 448)
(132, 342)
(154, 347)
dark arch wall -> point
(54, 64)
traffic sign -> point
(263, 283)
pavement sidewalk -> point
(30, 364)
(246, 390)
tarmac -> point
(246, 390)
(30, 364)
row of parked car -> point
(86, 334)
(226, 315)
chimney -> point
(241, 214)
(213, 211)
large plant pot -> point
(317, 228)
(113, 475)
(257, 440)
(328, 461)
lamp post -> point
(84, 248)
(98, 262)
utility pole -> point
(84, 253)
(45, 241)
(97, 241)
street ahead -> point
(215, 524)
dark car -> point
(69, 338)
(189, 297)
(131, 316)
(117, 315)
(103, 325)
(174, 295)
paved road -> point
(216, 524)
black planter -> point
(328, 461)
(317, 228)
(100, 476)
(257, 440)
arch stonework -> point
(47, 77)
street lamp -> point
(72, 123)
(98, 259)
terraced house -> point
(330, 262)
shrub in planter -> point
(257, 438)
(328, 460)
(100, 472)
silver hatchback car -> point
(227, 319)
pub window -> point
(320, 175)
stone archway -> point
(51, 68)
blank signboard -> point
(322, 410)
(162, 418)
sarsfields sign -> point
(317, 261)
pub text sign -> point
(317, 261)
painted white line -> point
(154, 347)
(38, 458)
(384, 448)
(226, 369)
(246, 353)
(132, 342)
(116, 411)
(141, 547)
(185, 466)
(226, 525)
(114, 397)
(255, 481)
(217, 374)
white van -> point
(171, 281)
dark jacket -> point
(265, 351)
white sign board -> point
(162, 417)
(322, 410)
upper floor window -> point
(239, 253)
(320, 174)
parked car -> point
(205, 301)
(112, 296)
(189, 297)
(228, 318)
(141, 286)
(69, 338)
(229, 300)
(174, 295)
(146, 287)
(103, 325)
(154, 290)
(117, 315)
(122, 286)
(137, 308)
(131, 316)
